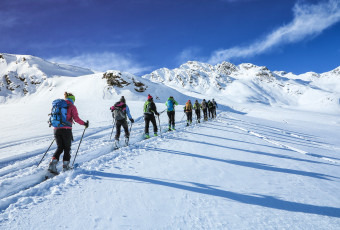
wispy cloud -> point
(309, 20)
(8, 19)
(188, 54)
(103, 61)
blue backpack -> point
(58, 114)
(170, 105)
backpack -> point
(204, 105)
(58, 114)
(147, 107)
(170, 105)
(188, 107)
(120, 111)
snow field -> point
(214, 175)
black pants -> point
(205, 114)
(171, 115)
(211, 113)
(147, 119)
(119, 124)
(63, 138)
(189, 116)
(198, 114)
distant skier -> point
(170, 104)
(205, 108)
(197, 108)
(210, 109)
(149, 111)
(120, 111)
(214, 107)
(63, 132)
(188, 111)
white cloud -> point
(103, 61)
(188, 54)
(309, 20)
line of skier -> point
(206, 107)
(64, 113)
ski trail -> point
(19, 183)
(277, 143)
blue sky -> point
(140, 36)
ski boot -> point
(127, 140)
(147, 136)
(52, 168)
(155, 134)
(169, 128)
(66, 166)
(116, 145)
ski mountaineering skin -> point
(64, 113)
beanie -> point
(149, 96)
(122, 99)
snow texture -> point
(268, 161)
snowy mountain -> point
(248, 83)
(24, 74)
(274, 167)
(236, 86)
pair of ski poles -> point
(76, 152)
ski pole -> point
(78, 147)
(162, 112)
(183, 117)
(128, 139)
(160, 127)
(45, 153)
(114, 123)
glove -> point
(157, 114)
(132, 121)
(86, 124)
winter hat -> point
(149, 97)
(122, 99)
(71, 96)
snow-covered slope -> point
(248, 83)
(272, 168)
(24, 74)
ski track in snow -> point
(280, 144)
(22, 181)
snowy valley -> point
(270, 160)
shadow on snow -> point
(259, 200)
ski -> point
(50, 175)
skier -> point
(188, 111)
(149, 111)
(205, 108)
(214, 107)
(119, 112)
(170, 104)
(197, 108)
(210, 109)
(63, 135)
